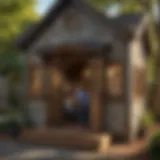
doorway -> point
(76, 99)
(73, 66)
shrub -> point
(154, 147)
(148, 119)
(8, 116)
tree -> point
(126, 6)
(154, 92)
(15, 15)
(130, 6)
(102, 4)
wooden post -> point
(46, 84)
(96, 104)
(56, 96)
(127, 68)
(53, 95)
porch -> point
(105, 92)
(70, 138)
(86, 143)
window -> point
(139, 82)
(35, 80)
(56, 78)
(114, 78)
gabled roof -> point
(129, 21)
(35, 30)
(122, 26)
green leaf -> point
(15, 16)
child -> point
(82, 102)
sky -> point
(42, 5)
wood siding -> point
(115, 108)
(79, 28)
(138, 86)
(96, 101)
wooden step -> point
(67, 138)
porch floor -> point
(74, 138)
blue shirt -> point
(82, 98)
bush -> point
(154, 147)
(9, 116)
(148, 119)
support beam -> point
(96, 105)
(53, 95)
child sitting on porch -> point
(69, 108)
(81, 101)
(76, 104)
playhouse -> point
(74, 43)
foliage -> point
(148, 119)
(9, 116)
(15, 15)
(10, 63)
(13, 96)
(11, 66)
(12, 121)
(126, 6)
(7, 111)
(13, 116)
(131, 6)
(102, 4)
(154, 147)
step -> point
(67, 138)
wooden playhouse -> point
(74, 39)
